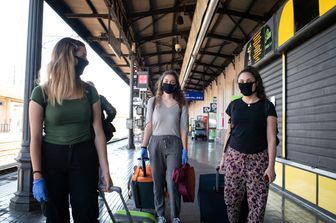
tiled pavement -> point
(202, 155)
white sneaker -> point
(161, 219)
(176, 220)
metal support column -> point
(131, 133)
(23, 200)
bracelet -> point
(37, 171)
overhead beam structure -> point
(191, 9)
(202, 18)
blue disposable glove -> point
(144, 152)
(184, 157)
(40, 190)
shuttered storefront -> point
(311, 101)
(272, 79)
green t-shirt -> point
(70, 122)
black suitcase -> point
(142, 187)
(211, 200)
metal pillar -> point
(23, 200)
(131, 133)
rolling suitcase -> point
(126, 215)
(142, 187)
(211, 199)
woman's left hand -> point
(107, 181)
(184, 156)
(269, 175)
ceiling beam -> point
(86, 15)
(98, 38)
(226, 38)
(245, 15)
(163, 35)
(209, 65)
(191, 8)
(113, 55)
(193, 88)
(200, 79)
(203, 73)
(163, 63)
(159, 73)
(216, 54)
(187, 8)
(199, 72)
(158, 53)
(120, 65)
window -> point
(304, 12)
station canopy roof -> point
(155, 28)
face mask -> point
(168, 88)
(246, 88)
(81, 64)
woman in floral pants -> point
(249, 160)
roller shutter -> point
(311, 102)
(271, 75)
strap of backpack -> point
(266, 108)
(232, 108)
(45, 101)
(154, 104)
(88, 93)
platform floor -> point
(202, 155)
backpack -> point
(108, 130)
(108, 127)
(266, 110)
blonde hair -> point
(61, 71)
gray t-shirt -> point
(167, 120)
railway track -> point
(8, 153)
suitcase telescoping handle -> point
(217, 179)
(143, 160)
(118, 190)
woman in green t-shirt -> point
(65, 153)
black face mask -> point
(246, 88)
(81, 64)
(169, 88)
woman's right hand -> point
(221, 164)
(40, 190)
(107, 181)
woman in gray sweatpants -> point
(166, 131)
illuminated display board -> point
(142, 79)
(259, 46)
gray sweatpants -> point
(165, 155)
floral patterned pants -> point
(244, 172)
